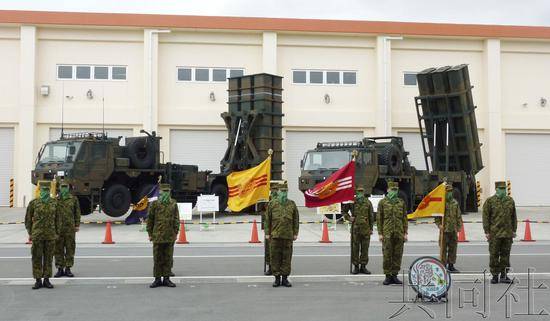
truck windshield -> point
(59, 152)
(326, 160)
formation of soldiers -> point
(52, 223)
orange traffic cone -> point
(324, 238)
(29, 241)
(182, 239)
(527, 236)
(462, 235)
(108, 235)
(254, 235)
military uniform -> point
(392, 228)
(449, 226)
(361, 230)
(68, 209)
(500, 225)
(282, 226)
(43, 225)
(163, 227)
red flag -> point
(339, 187)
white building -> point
(175, 83)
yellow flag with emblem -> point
(431, 205)
(247, 187)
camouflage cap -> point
(448, 187)
(44, 184)
(393, 185)
(500, 184)
(283, 189)
(360, 189)
(165, 187)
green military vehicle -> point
(451, 146)
(107, 174)
(104, 173)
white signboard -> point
(375, 199)
(330, 209)
(186, 211)
(208, 203)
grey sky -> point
(508, 12)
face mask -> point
(359, 196)
(283, 196)
(44, 194)
(165, 197)
(392, 194)
(64, 192)
(501, 192)
(449, 195)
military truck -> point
(111, 174)
(105, 173)
(448, 130)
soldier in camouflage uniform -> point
(68, 209)
(362, 219)
(43, 224)
(500, 224)
(392, 231)
(281, 228)
(163, 227)
(267, 243)
(449, 226)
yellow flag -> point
(248, 186)
(432, 204)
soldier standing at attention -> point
(500, 224)
(392, 231)
(282, 225)
(43, 224)
(68, 209)
(362, 219)
(449, 226)
(163, 227)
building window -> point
(200, 74)
(83, 72)
(299, 77)
(65, 72)
(315, 77)
(219, 75)
(101, 72)
(333, 77)
(118, 73)
(184, 74)
(409, 78)
(324, 77)
(350, 78)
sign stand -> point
(207, 204)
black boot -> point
(168, 283)
(285, 282)
(59, 273)
(37, 285)
(68, 272)
(268, 271)
(452, 268)
(364, 269)
(277, 282)
(47, 283)
(156, 283)
(388, 280)
(504, 278)
(355, 269)
(172, 274)
(396, 280)
(494, 280)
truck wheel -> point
(142, 153)
(85, 205)
(391, 157)
(116, 200)
(221, 191)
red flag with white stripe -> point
(338, 188)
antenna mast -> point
(103, 110)
(62, 106)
